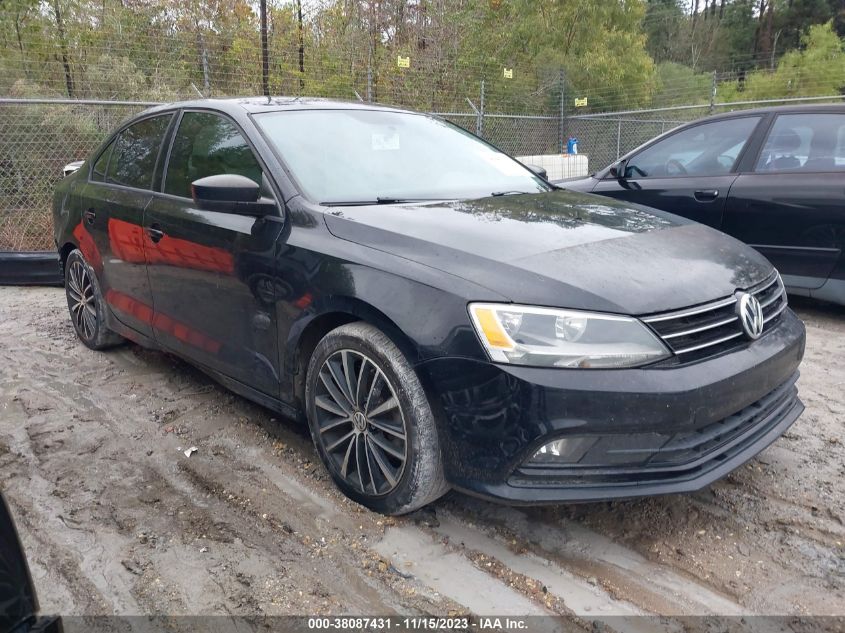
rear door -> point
(208, 269)
(790, 202)
(689, 172)
(110, 233)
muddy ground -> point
(117, 520)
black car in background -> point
(18, 603)
(439, 314)
(773, 178)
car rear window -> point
(136, 152)
(98, 173)
(804, 142)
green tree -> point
(818, 69)
(663, 25)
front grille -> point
(705, 330)
(637, 458)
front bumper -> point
(654, 430)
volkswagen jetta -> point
(438, 313)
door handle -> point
(155, 233)
(89, 216)
(706, 195)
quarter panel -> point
(108, 232)
(797, 220)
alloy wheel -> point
(81, 299)
(359, 423)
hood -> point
(562, 249)
(578, 183)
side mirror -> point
(231, 193)
(538, 170)
(619, 169)
(72, 168)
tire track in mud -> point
(251, 523)
(41, 515)
(594, 575)
(171, 486)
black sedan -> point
(18, 602)
(773, 178)
(439, 314)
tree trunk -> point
(759, 30)
(765, 33)
(18, 34)
(71, 91)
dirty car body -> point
(18, 602)
(770, 177)
(570, 347)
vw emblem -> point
(750, 315)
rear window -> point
(98, 173)
(804, 143)
(136, 151)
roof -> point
(783, 109)
(269, 104)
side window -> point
(207, 145)
(98, 173)
(804, 142)
(136, 151)
(709, 149)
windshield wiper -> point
(378, 200)
(496, 194)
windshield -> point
(362, 156)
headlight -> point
(547, 337)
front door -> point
(205, 267)
(791, 204)
(688, 173)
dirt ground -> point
(117, 520)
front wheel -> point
(371, 421)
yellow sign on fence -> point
(580, 103)
(403, 62)
(508, 73)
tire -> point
(86, 304)
(382, 456)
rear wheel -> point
(86, 304)
(371, 421)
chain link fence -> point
(70, 72)
(38, 137)
(605, 137)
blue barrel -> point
(572, 145)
